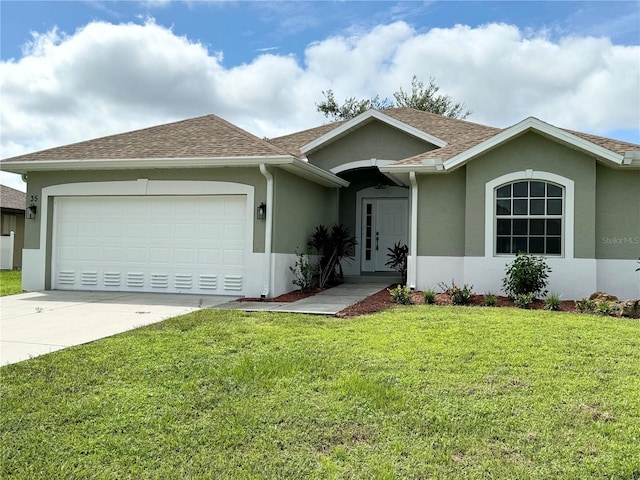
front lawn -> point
(418, 392)
(10, 282)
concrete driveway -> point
(36, 323)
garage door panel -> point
(184, 256)
(233, 233)
(186, 230)
(210, 232)
(135, 230)
(135, 255)
(112, 254)
(69, 229)
(208, 256)
(150, 243)
(232, 257)
(160, 255)
(88, 253)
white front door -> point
(384, 223)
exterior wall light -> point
(31, 212)
(261, 213)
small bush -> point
(304, 272)
(552, 302)
(398, 259)
(458, 296)
(401, 294)
(523, 300)
(429, 297)
(526, 274)
(490, 300)
(586, 306)
(604, 308)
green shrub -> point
(490, 300)
(523, 300)
(429, 297)
(458, 296)
(552, 302)
(526, 274)
(332, 246)
(398, 259)
(586, 306)
(304, 272)
(604, 308)
(401, 294)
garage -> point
(166, 244)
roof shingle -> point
(201, 137)
(12, 199)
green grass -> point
(414, 392)
(10, 282)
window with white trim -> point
(529, 216)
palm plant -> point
(398, 259)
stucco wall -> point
(441, 214)
(617, 213)
(532, 151)
(373, 140)
(300, 206)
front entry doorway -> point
(384, 223)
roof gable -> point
(609, 151)
(532, 124)
(364, 118)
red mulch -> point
(373, 303)
(382, 300)
(285, 297)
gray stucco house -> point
(174, 208)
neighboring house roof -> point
(12, 199)
(201, 137)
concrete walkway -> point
(36, 323)
(328, 302)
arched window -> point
(529, 217)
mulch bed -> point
(382, 300)
(285, 297)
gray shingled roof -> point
(212, 137)
(201, 137)
(460, 135)
(294, 141)
(617, 146)
(12, 199)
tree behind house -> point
(420, 98)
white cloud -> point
(107, 78)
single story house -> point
(202, 206)
(12, 206)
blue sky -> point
(76, 70)
(244, 29)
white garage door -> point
(171, 244)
